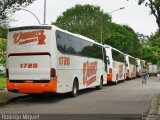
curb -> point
(5, 102)
(153, 112)
(8, 97)
(159, 105)
(154, 105)
(3, 88)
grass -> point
(2, 82)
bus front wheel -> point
(100, 85)
(115, 82)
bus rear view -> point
(29, 60)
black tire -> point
(115, 82)
(100, 85)
(75, 88)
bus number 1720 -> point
(29, 65)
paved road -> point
(130, 97)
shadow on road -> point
(51, 98)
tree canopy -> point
(92, 22)
(154, 6)
(9, 6)
(3, 31)
(87, 20)
(123, 38)
(3, 43)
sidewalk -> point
(154, 111)
(8, 97)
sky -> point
(135, 16)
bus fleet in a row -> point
(47, 59)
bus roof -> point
(130, 56)
(30, 27)
(49, 27)
(108, 46)
(75, 34)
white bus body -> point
(144, 63)
(139, 67)
(116, 64)
(152, 70)
(43, 59)
(130, 67)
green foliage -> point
(3, 31)
(3, 43)
(154, 45)
(92, 22)
(154, 40)
(151, 50)
(150, 54)
(123, 38)
(8, 6)
(2, 82)
(154, 6)
(86, 20)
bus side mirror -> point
(126, 63)
(107, 58)
(136, 65)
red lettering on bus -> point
(64, 61)
(28, 65)
(89, 72)
(28, 37)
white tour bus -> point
(116, 64)
(144, 63)
(47, 59)
(139, 67)
(130, 67)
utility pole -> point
(31, 13)
(44, 21)
(109, 14)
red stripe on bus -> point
(31, 88)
